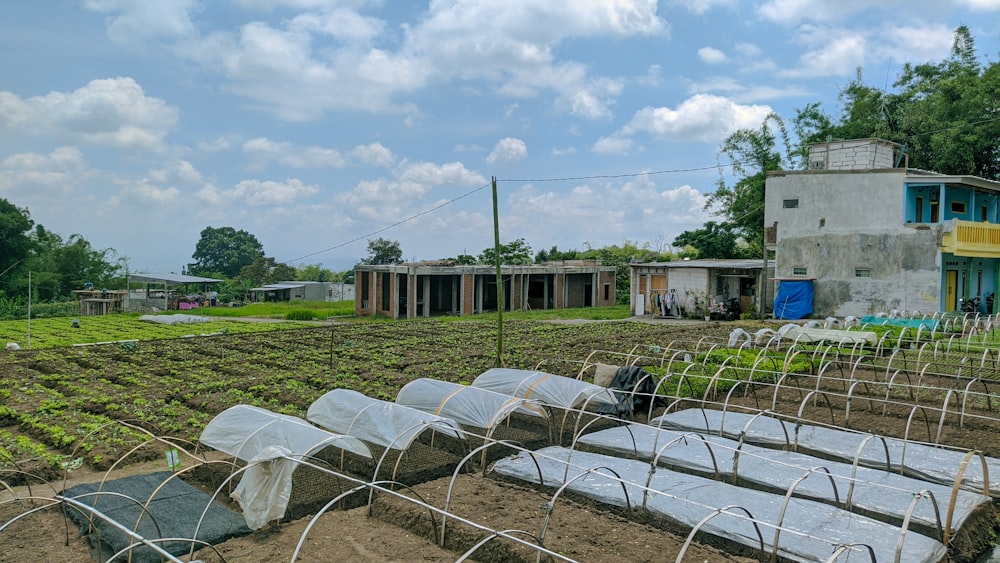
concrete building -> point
(875, 237)
(303, 291)
(427, 289)
(694, 284)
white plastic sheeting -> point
(873, 491)
(175, 319)
(922, 461)
(472, 406)
(266, 440)
(378, 422)
(553, 390)
(810, 531)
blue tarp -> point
(794, 299)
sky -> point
(317, 125)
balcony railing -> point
(969, 238)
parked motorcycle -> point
(728, 310)
(970, 305)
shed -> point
(167, 291)
(303, 291)
(696, 284)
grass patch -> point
(318, 309)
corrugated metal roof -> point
(732, 263)
(276, 286)
(169, 278)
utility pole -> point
(496, 251)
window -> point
(919, 211)
(790, 203)
(862, 272)
(800, 271)
(607, 291)
(984, 214)
(958, 207)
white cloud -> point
(743, 92)
(712, 55)
(840, 57)
(835, 51)
(258, 193)
(653, 76)
(218, 145)
(701, 6)
(984, 5)
(52, 177)
(702, 117)
(135, 21)
(604, 212)
(508, 149)
(792, 12)
(564, 152)
(110, 112)
(614, 144)
(429, 174)
(176, 172)
(373, 154)
(295, 156)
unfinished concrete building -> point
(877, 236)
(426, 289)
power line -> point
(396, 224)
(717, 166)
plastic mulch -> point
(173, 513)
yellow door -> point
(950, 290)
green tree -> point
(225, 251)
(265, 270)
(621, 257)
(463, 260)
(752, 154)
(314, 272)
(554, 254)
(713, 240)
(943, 114)
(515, 252)
(383, 251)
(15, 241)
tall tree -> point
(383, 251)
(15, 242)
(314, 272)
(515, 252)
(943, 114)
(225, 251)
(752, 153)
(713, 240)
(265, 270)
(553, 254)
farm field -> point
(62, 409)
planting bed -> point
(60, 409)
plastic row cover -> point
(471, 406)
(810, 531)
(875, 491)
(927, 462)
(554, 390)
(265, 440)
(386, 424)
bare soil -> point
(400, 531)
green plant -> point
(300, 315)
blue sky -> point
(318, 124)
